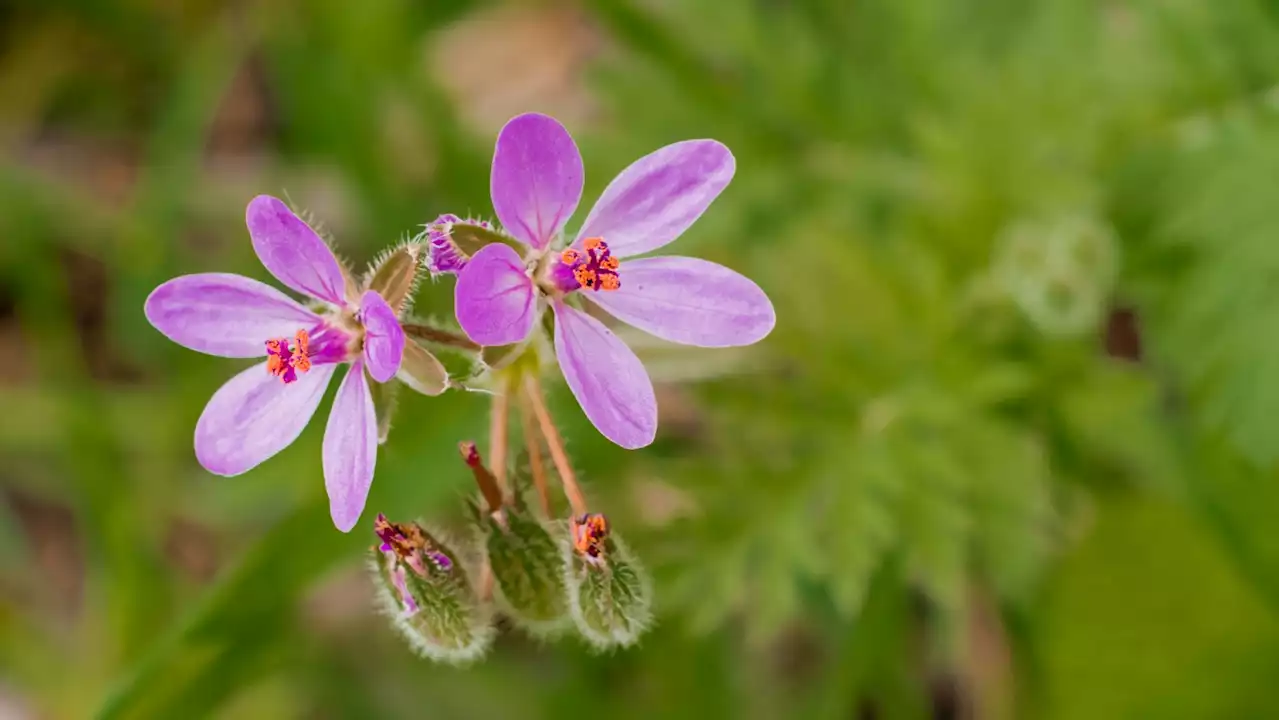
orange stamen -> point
(275, 359)
(585, 276)
(589, 533)
(594, 267)
(286, 363)
(299, 359)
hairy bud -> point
(451, 241)
(424, 589)
(528, 568)
(394, 276)
(609, 592)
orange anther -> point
(275, 364)
(570, 256)
(593, 243)
(284, 362)
(589, 533)
(609, 282)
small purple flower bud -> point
(451, 241)
(427, 595)
(443, 256)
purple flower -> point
(535, 185)
(262, 410)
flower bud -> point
(528, 568)
(609, 592)
(394, 276)
(451, 241)
(425, 590)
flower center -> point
(593, 267)
(589, 533)
(285, 362)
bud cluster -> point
(548, 572)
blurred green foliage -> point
(925, 488)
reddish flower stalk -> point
(533, 390)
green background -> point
(1010, 451)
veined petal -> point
(494, 298)
(536, 181)
(225, 315)
(690, 301)
(658, 197)
(606, 377)
(254, 416)
(293, 252)
(383, 337)
(350, 449)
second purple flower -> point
(536, 185)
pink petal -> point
(494, 298)
(536, 181)
(690, 301)
(659, 196)
(383, 337)
(225, 315)
(254, 416)
(350, 449)
(606, 377)
(292, 251)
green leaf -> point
(1216, 323)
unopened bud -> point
(609, 593)
(424, 589)
(529, 570)
(451, 241)
(394, 276)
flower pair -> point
(501, 292)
